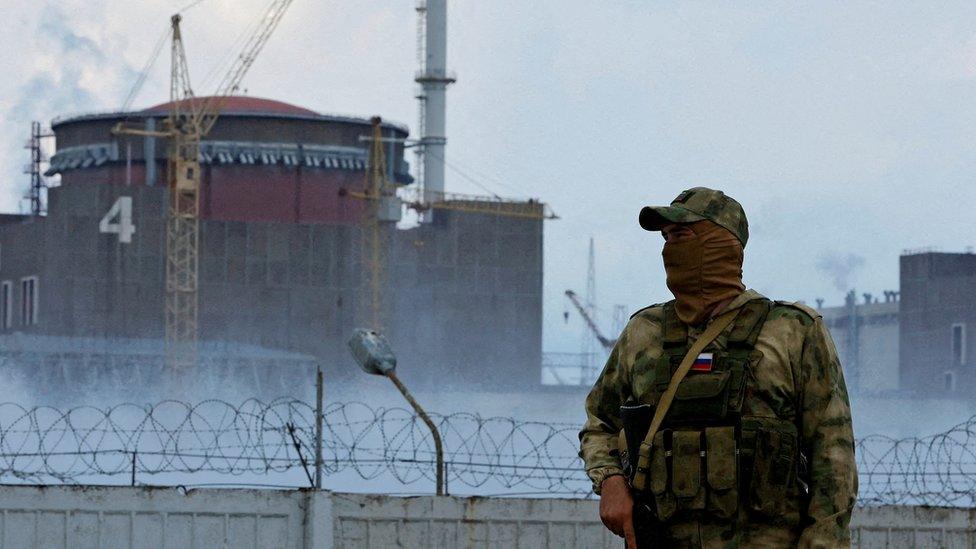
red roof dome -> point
(238, 104)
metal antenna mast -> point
(589, 305)
(37, 185)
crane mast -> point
(375, 227)
(182, 225)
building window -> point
(950, 382)
(6, 305)
(958, 344)
(28, 300)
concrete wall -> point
(375, 522)
(937, 291)
(465, 292)
(922, 527)
(124, 518)
(475, 282)
(127, 518)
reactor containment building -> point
(280, 268)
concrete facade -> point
(938, 313)
(468, 300)
(55, 517)
(465, 292)
(866, 335)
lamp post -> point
(374, 355)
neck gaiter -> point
(703, 271)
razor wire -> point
(46, 444)
(392, 446)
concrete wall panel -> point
(124, 517)
(469, 522)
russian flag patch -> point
(703, 363)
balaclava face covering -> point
(703, 271)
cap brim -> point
(654, 218)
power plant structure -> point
(285, 264)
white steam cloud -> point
(840, 268)
(67, 72)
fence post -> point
(318, 427)
(133, 480)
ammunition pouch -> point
(695, 470)
(775, 459)
(715, 470)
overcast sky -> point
(847, 130)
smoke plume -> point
(68, 73)
(840, 268)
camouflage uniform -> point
(787, 476)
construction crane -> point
(607, 343)
(189, 121)
(381, 211)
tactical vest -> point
(709, 458)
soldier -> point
(746, 441)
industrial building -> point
(912, 342)
(280, 263)
(865, 332)
(227, 229)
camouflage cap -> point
(697, 204)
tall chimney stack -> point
(433, 78)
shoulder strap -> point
(711, 332)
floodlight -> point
(372, 352)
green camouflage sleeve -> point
(598, 439)
(827, 441)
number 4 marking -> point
(122, 209)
